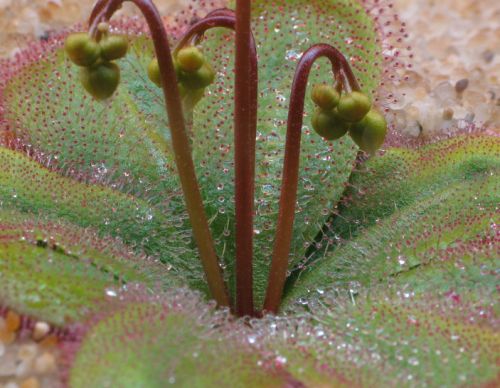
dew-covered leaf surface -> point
(398, 339)
(424, 219)
(30, 188)
(186, 343)
(175, 343)
(360, 316)
(60, 273)
(384, 339)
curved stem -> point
(244, 141)
(286, 215)
(221, 12)
(102, 11)
(197, 30)
(180, 140)
(98, 8)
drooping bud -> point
(154, 72)
(100, 80)
(190, 59)
(369, 133)
(201, 78)
(328, 124)
(114, 47)
(81, 49)
(325, 96)
(354, 106)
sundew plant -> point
(219, 201)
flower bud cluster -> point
(351, 112)
(99, 75)
(193, 71)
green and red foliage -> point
(392, 271)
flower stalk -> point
(286, 215)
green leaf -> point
(383, 339)
(173, 345)
(177, 339)
(60, 273)
(406, 297)
(420, 220)
(28, 187)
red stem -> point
(180, 141)
(98, 8)
(286, 215)
(244, 126)
(218, 18)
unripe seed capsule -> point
(114, 47)
(369, 133)
(353, 106)
(81, 49)
(325, 96)
(190, 59)
(100, 80)
(154, 72)
(201, 78)
(329, 124)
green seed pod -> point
(325, 96)
(154, 72)
(190, 59)
(100, 80)
(114, 47)
(354, 106)
(369, 133)
(329, 124)
(81, 49)
(201, 78)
